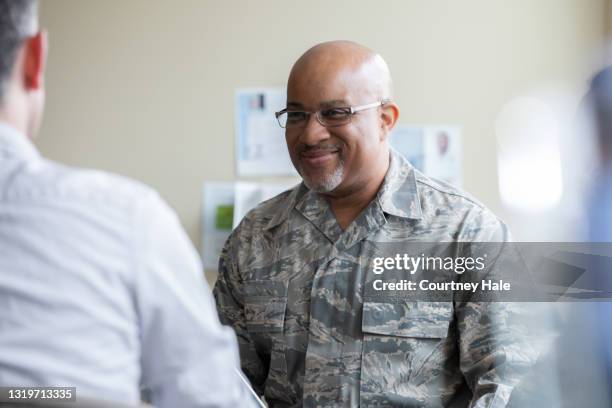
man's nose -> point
(313, 132)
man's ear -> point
(35, 56)
(389, 113)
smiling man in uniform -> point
(292, 275)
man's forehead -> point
(329, 74)
(322, 104)
(324, 79)
(322, 95)
(319, 89)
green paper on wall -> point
(224, 217)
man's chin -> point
(323, 181)
(320, 188)
(325, 185)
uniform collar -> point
(280, 216)
(398, 196)
(316, 209)
(16, 145)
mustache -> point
(323, 147)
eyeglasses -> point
(328, 117)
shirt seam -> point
(438, 189)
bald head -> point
(325, 62)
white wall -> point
(145, 87)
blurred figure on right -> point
(599, 205)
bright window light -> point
(529, 159)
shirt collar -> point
(316, 209)
(14, 144)
(280, 216)
(398, 195)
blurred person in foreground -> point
(291, 275)
(100, 288)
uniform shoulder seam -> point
(455, 194)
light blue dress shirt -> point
(101, 289)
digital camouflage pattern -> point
(294, 286)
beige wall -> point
(145, 88)
(608, 30)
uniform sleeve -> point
(495, 344)
(187, 358)
(229, 295)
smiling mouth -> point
(317, 157)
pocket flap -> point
(407, 318)
(265, 289)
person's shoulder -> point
(259, 229)
(459, 210)
(440, 192)
(49, 178)
(267, 213)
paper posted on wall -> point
(260, 141)
(217, 219)
(434, 149)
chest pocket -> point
(406, 346)
(265, 305)
(407, 319)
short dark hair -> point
(18, 20)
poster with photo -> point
(260, 141)
(433, 149)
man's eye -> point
(335, 113)
(296, 116)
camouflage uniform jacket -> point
(291, 283)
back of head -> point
(18, 21)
